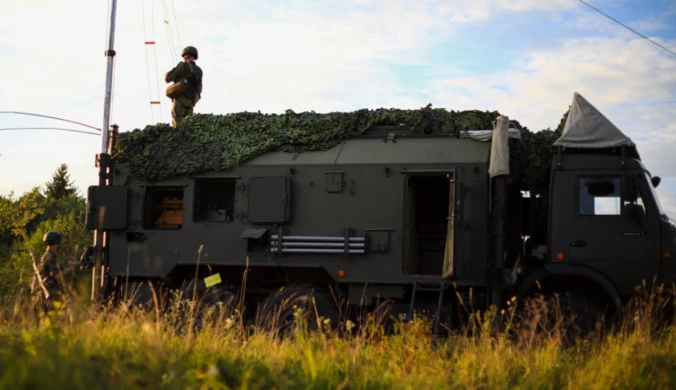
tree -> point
(60, 185)
(562, 123)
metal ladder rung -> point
(430, 289)
(441, 289)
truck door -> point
(594, 224)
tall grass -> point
(126, 347)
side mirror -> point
(656, 180)
(634, 211)
(629, 190)
(600, 187)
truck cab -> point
(608, 234)
(605, 216)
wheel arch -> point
(559, 277)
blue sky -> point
(524, 58)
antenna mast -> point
(103, 160)
(110, 53)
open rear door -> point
(448, 270)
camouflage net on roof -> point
(204, 143)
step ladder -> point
(429, 286)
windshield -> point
(652, 190)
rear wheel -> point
(196, 289)
(280, 311)
(196, 301)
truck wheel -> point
(205, 296)
(278, 311)
(582, 314)
(576, 315)
(137, 293)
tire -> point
(584, 313)
(277, 313)
(138, 293)
(205, 297)
(573, 315)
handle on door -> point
(579, 243)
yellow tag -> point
(212, 280)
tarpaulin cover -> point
(586, 127)
(499, 163)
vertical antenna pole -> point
(110, 53)
(103, 161)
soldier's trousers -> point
(181, 109)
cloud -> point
(666, 193)
(631, 82)
(482, 10)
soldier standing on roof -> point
(184, 97)
(48, 277)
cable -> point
(616, 21)
(50, 117)
(146, 43)
(157, 67)
(178, 33)
(48, 128)
(172, 45)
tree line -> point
(57, 205)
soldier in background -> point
(187, 70)
(48, 279)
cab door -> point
(595, 223)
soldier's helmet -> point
(52, 237)
(189, 50)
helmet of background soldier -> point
(189, 50)
(52, 237)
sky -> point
(523, 58)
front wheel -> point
(570, 315)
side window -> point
(215, 200)
(164, 208)
(599, 196)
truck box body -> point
(393, 194)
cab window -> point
(603, 196)
(599, 196)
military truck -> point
(419, 221)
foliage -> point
(20, 217)
(74, 233)
(125, 348)
(60, 185)
(24, 221)
(205, 143)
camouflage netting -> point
(206, 142)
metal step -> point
(429, 286)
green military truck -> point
(420, 221)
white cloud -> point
(611, 73)
(667, 197)
(481, 10)
(631, 82)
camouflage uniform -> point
(182, 106)
(47, 270)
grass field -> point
(83, 348)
